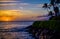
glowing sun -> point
(6, 18)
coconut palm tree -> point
(57, 1)
(53, 3)
(50, 13)
(55, 8)
(46, 6)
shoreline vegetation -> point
(46, 29)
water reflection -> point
(8, 25)
(11, 26)
(15, 35)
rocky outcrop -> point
(46, 29)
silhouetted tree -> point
(56, 10)
(57, 1)
(53, 3)
(46, 6)
(50, 13)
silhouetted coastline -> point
(46, 29)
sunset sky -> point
(22, 10)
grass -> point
(51, 24)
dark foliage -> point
(50, 13)
(45, 5)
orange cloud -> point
(8, 1)
(14, 15)
(17, 15)
(11, 4)
(6, 18)
(9, 15)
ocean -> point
(15, 30)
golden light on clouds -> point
(4, 0)
(9, 15)
(17, 15)
(8, 1)
(6, 18)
